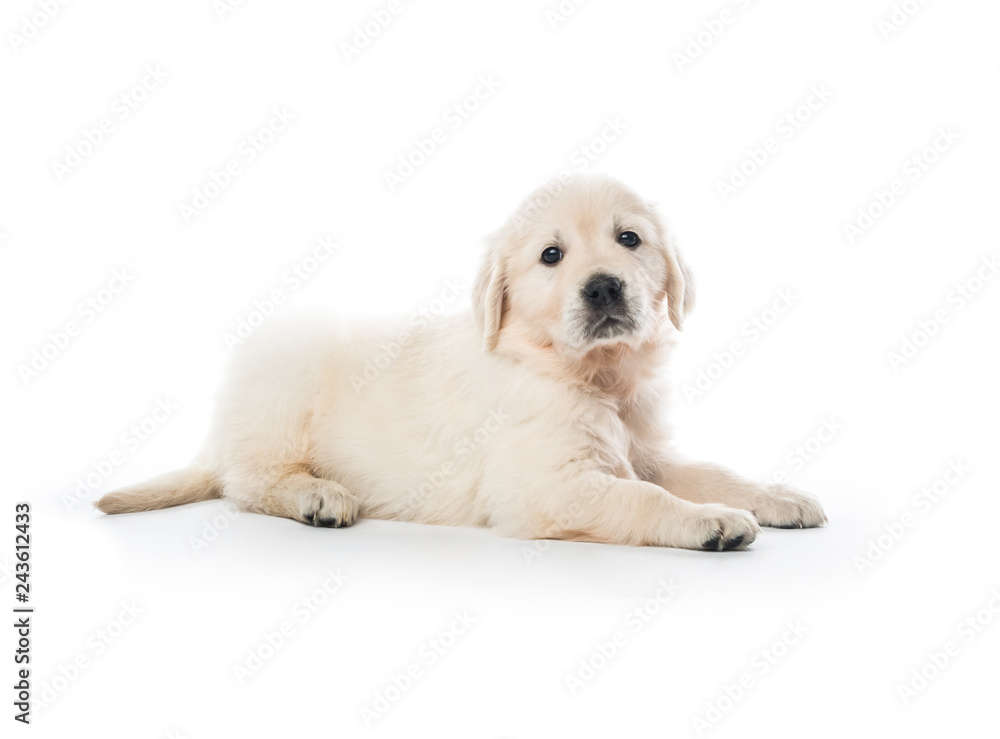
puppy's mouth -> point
(608, 325)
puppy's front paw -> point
(328, 504)
(720, 528)
(784, 507)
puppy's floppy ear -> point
(490, 292)
(680, 288)
(679, 285)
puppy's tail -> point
(189, 485)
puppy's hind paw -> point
(328, 504)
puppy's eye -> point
(628, 238)
(551, 255)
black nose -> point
(603, 291)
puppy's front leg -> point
(603, 508)
(775, 505)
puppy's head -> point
(583, 262)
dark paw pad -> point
(712, 544)
(330, 523)
(733, 543)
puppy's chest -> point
(643, 430)
(619, 439)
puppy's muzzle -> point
(606, 309)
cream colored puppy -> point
(538, 413)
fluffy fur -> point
(538, 413)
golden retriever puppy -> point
(538, 413)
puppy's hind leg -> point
(298, 495)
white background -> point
(686, 125)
